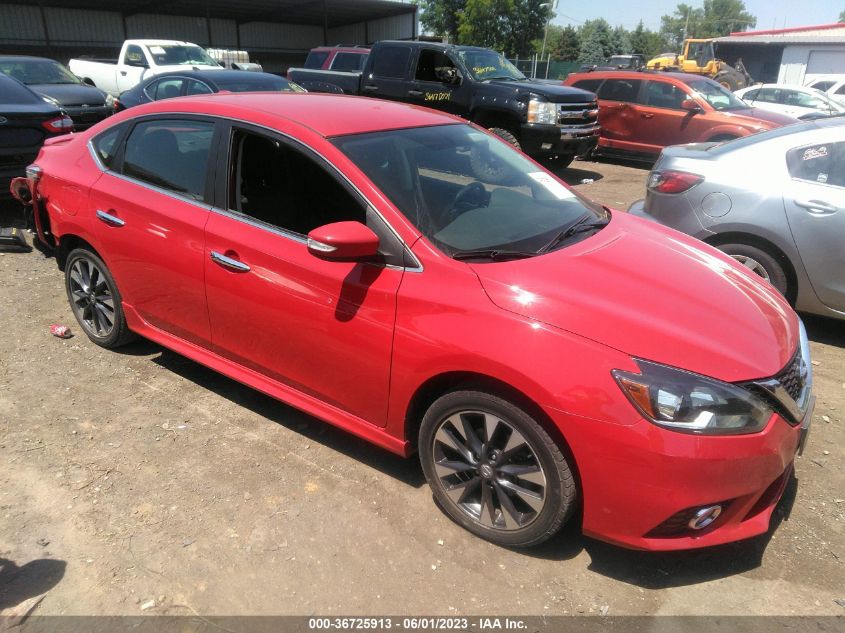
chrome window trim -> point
(416, 268)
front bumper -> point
(557, 140)
(637, 478)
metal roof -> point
(782, 39)
(313, 12)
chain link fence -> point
(544, 69)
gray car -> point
(774, 201)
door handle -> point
(415, 93)
(230, 263)
(123, 72)
(370, 88)
(817, 207)
(616, 106)
(108, 218)
(646, 115)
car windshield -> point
(258, 84)
(720, 98)
(484, 65)
(180, 55)
(470, 194)
(37, 71)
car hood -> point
(754, 115)
(71, 94)
(552, 90)
(655, 294)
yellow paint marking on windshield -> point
(480, 70)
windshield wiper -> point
(493, 254)
(581, 226)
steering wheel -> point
(468, 197)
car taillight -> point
(671, 181)
(117, 105)
(59, 125)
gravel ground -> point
(140, 482)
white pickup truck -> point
(138, 60)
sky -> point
(769, 13)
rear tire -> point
(730, 79)
(487, 167)
(494, 470)
(95, 299)
(759, 262)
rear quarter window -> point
(626, 90)
(822, 163)
(106, 145)
(316, 59)
(348, 61)
(588, 84)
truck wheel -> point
(760, 262)
(486, 166)
(494, 470)
(730, 79)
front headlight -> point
(542, 112)
(109, 101)
(690, 403)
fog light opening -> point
(704, 517)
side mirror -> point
(690, 106)
(343, 241)
(448, 75)
(137, 63)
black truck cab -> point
(543, 118)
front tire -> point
(759, 262)
(494, 470)
(95, 299)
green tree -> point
(842, 16)
(511, 26)
(621, 41)
(595, 34)
(567, 46)
(715, 18)
(442, 17)
(646, 42)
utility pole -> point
(551, 6)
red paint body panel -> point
(354, 343)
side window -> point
(348, 61)
(620, 90)
(823, 163)
(661, 94)
(105, 145)
(316, 59)
(769, 95)
(392, 62)
(165, 88)
(135, 56)
(171, 154)
(588, 84)
(822, 85)
(840, 90)
(195, 87)
(283, 187)
(433, 66)
(751, 95)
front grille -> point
(793, 378)
(577, 114)
(787, 391)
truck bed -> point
(331, 81)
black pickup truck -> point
(544, 119)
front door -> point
(815, 207)
(618, 116)
(432, 88)
(324, 328)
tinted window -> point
(316, 59)
(660, 94)
(11, 92)
(840, 90)
(348, 61)
(769, 95)
(165, 88)
(823, 163)
(392, 61)
(588, 84)
(285, 188)
(194, 87)
(105, 145)
(134, 55)
(823, 85)
(431, 65)
(171, 154)
(620, 90)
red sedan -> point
(407, 277)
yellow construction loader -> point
(699, 57)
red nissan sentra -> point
(406, 276)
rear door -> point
(815, 207)
(618, 114)
(152, 208)
(389, 72)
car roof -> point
(637, 74)
(326, 114)
(214, 75)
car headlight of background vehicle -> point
(109, 101)
(542, 112)
(687, 402)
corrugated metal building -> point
(795, 55)
(277, 33)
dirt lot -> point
(139, 479)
